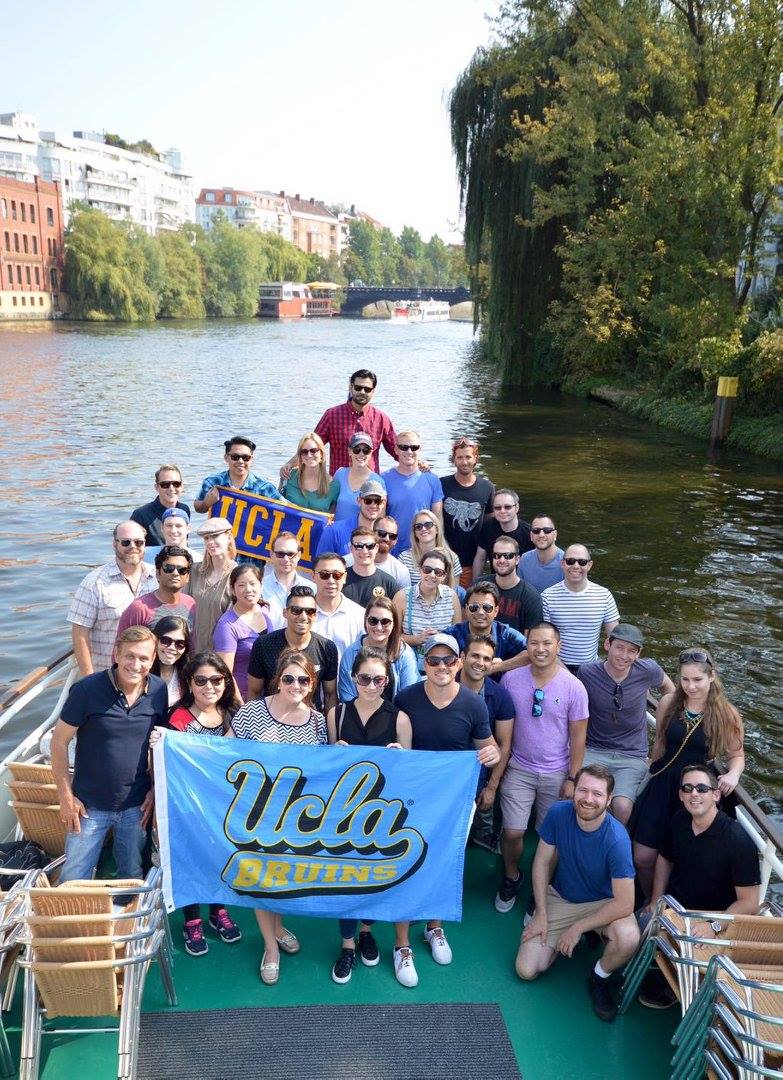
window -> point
(210, 196)
(37, 277)
(24, 243)
(54, 248)
(14, 301)
(19, 275)
(3, 208)
(27, 275)
(35, 245)
(49, 244)
(7, 241)
(40, 298)
(13, 210)
(16, 241)
(24, 212)
(53, 278)
(32, 213)
(11, 276)
(227, 198)
(49, 216)
(24, 302)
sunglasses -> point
(436, 661)
(573, 562)
(481, 607)
(384, 535)
(311, 451)
(408, 446)
(543, 529)
(324, 575)
(464, 444)
(507, 555)
(286, 554)
(289, 680)
(688, 789)
(372, 500)
(363, 389)
(370, 680)
(296, 610)
(217, 532)
(368, 546)
(365, 450)
(438, 571)
(506, 506)
(538, 708)
(617, 696)
(424, 525)
(172, 568)
(173, 643)
(213, 680)
(126, 543)
(170, 483)
(376, 620)
(694, 656)
(241, 457)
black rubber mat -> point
(328, 1042)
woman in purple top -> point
(245, 620)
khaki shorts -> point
(561, 914)
(628, 771)
(521, 788)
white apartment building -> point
(263, 210)
(125, 184)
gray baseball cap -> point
(625, 632)
(361, 438)
(372, 487)
(441, 639)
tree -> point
(365, 247)
(181, 294)
(435, 263)
(235, 264)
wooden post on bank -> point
(724, 410)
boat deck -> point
(552, 1027)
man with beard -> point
(583, 879)
(467, 499)
(504, 522)
(520, 603)
(341, 422)
(541, 566)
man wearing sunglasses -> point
(541, 567)
(238, 457)
(364, 582)
(386, 532)
(338, 618)
(446, 716)
(280, 576)
(481, 607)
(299, 612)
(617, 689)
(168, 487)
(579, 608)
(371, 505)
(409, 489)
(339, 423)
(547, 747)
(708, 863)
(103, 595)
(172, 569)
(467, 499)
(505, 521)
(520, 603)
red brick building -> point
(31, 249)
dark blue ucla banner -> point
(333, 831)
(257, 522)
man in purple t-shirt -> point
(550, 722)
(617, 734)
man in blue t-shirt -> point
(409, 489)
(586, 855)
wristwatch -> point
(570, 780)
(717, 927)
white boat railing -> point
(60, 667)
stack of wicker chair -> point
(34, 801)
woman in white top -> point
(351, 479)
(430, 606)
(426, 535)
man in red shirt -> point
(339, 423)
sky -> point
(344, 101)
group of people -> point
(434, 618)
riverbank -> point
(762, 435)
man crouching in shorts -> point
(592, 888)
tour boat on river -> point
(551, 1026)
(420, 311)
(296, 300)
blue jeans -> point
(83, 849)
(348, 926)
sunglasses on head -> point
(543, 529)
(538, 698)
(688, 789)
(124, 541)
(172, 568)
(297, 609)
(170, 483)
(213, 680)
(173, 643)
(324, 575)
(507, 555)
(372, 500)
(436, 661)
(408, 446)
(369, 545)
(361, 450)
(464, 444)
(481, 607)
(241, 457)
(574, 562)
(368, 680)
(385, 534)
(376, 620)
(289, 680)
(694, 656)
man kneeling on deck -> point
(592, 887)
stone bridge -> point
(357, 296)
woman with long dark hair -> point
(382, 630)
(246, 619)
(694, 724)
(171, 653)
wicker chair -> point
(36, 805)
(84, 957)
(11, 924)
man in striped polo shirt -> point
(578, 608)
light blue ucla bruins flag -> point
(335, 831)
(257, 522)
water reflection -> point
(692, 550)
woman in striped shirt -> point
(286, 716)
(429, 606)
(427, 534)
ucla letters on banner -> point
(257, 521)
(335, 831)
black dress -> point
(380, 729)
(660, 799)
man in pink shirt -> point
(550, 726)
(172, 569)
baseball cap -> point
(441, 639)
(626, 632)
(214, 525)
(175, 511)
(372, 487)
(361, 438)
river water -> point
(692, 551)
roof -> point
(310, 206)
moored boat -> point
(420, 311)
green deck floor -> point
(552, 1027)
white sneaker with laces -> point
(404, 969)
(441, 950)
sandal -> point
(288, 942)
(269, 972)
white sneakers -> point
(441, 950)
(404, 969)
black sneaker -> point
(507, 893)
(368, 950)
(344, 965)
(656, 993)
(195, 942)
(225, 927)
(604, 1004)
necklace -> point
(691, 718)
